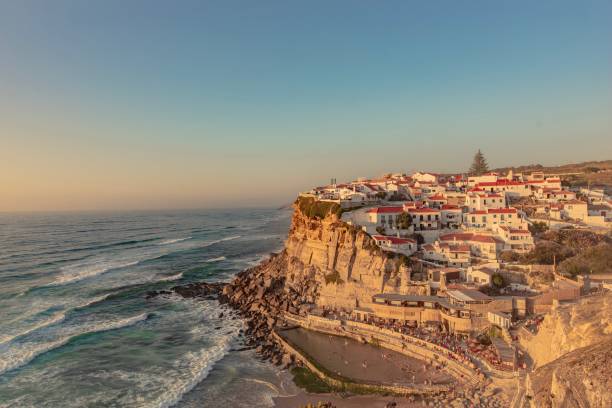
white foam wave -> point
(173, 241)
(19, 355)
(221, 258)
(76, 274)
(171, 277)
(56, 318)
(97, 299)
(194, 367)
(221, 240)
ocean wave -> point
(220, 240)
(15, 356)
(56, 318)
(218, 259)
(171, 277)
(88, 272)
(174, 240)
(197, 366)
(95, 300)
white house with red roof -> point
(385, 217)
(484, 178)
(447, 253)
(508, 187)
(493, 217)
(552, 195)
(518, 240)
(553, 183)
(481, 245)
(477, 201)
(436, 200)
(425, 218)
(405, 246)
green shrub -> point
(593, 260)
(313, 208)
(538, 227)
(307, 380)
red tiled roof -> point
(423, 210)
(502, 210)
(385, 210)
(468, 237)
(436, 197)
(494, 211)
(450, 207)
(500, 183)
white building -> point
(404, 246)
(491, 218)
(448, 254)
(476, 201)
(508, 187)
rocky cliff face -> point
(573, 353)
(581, 378)
(570, 327)
(343, 262)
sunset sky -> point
(195, 104)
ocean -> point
(77, 331)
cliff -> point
(570, 327)
(581, 378)
(342, 261)
(573, 354)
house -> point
(553, 195)
(436, 200)
(510, 188)
(426, 177)
(501, 319)
(450, 216)
(448, 254)
(518, 240)
(576, 210)
(492, 217)
(485, 178)
(449, 274)
(553, 183)
(482, 276)
(481, 246)
(425, 218)
(476, 201)
(384, 216)
(404, 246)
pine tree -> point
(479, 165)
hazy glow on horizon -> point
(150, 104)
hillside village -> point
(489, 288)
(472, 248)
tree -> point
(479, 165)
(538, 228)
(404, 220)
(497, 280)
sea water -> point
(77, 331)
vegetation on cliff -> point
(315, 209)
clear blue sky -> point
(151, 104)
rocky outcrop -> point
(343, 261)
(570, 327)
(581, 378)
